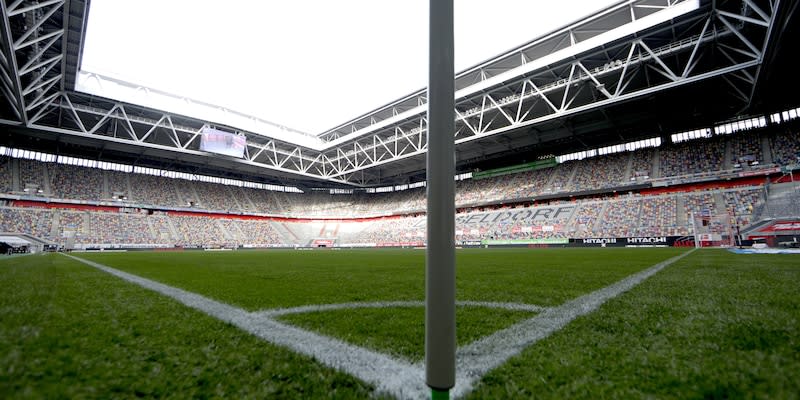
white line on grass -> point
(392, 376)
(483, 355)
(391, 304)
(388, 375)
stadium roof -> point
(308, 65)
(636, 69)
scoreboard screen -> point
(219, 142)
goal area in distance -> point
(715, 230)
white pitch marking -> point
(392, 304)
(396, 377)
(485, 354)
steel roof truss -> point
(45, 109)
(756, 53)
(40, 84)
(499, 108)
(101, 121)
(74, 114)
(694, 59)
(152, 128)
(466, 123)
(20, 43)
(172, 135)
(41, 99)
(128, 126)
(739, 93)
(665, 70)
(25, 69)
(576, 84)
(13, 10)
(764, 16)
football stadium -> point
(625, 218)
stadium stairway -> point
(656, 164)
(231, 195)
(150, 227)
(228, 235)
(766, 150)
(680, 204)
(288, 236)
(727, 161)
(719, 201)
(626, 175)
(56, 227)
(172, 230)
(46, 181)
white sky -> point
(306, 64)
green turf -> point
(69, 331)
(400, 331)
(258, 280)
(714, 326)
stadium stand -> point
(154, 190)
(198, 231)
(70, 226)
(259, 233)
(642, 165)
(692, 157)
(742, 203)
(6, 174)
(526, 184)
(116, 229)
(261, 201)
(600, 172)
(492, 208)
(34, 221)
(77, 183)
(746, 150)
(785, 148)
(586, 219)
(658, 216)
(561, 177)
(628, 215)
(621, 218)
(32, 175)
(208, 196)
(118, 185)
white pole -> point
(694, 230)
(440, 287)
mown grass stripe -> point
(481, 356)
(392, 376)
(388, 375)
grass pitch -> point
(714, 325)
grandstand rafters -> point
(630, 50)
(31, 51)
(610, 73)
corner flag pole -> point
(440, 270)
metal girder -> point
(581, 32)
(32, 34)
(75, 114)
(617, 55)
(594, 79)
